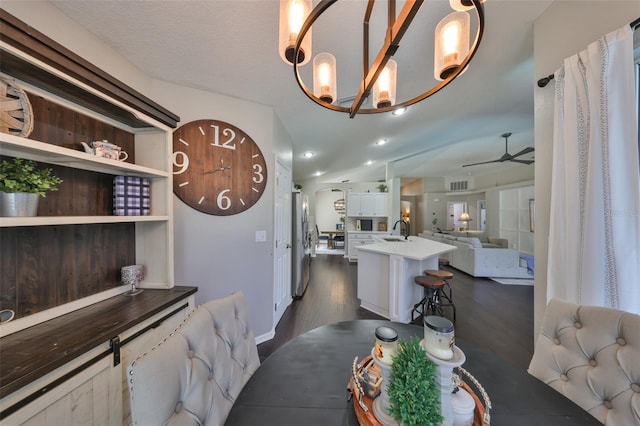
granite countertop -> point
(36, 351)
(415, 248)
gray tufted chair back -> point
(195, 374)
(591, 355)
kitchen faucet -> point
(406, 228)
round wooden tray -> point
(367, 418)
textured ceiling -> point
(230, 47)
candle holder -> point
(132, 275)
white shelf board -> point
(6, 222)
(15, 146)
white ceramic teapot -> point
(106, 150)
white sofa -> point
(489, 259)
(591, 355)
(194, 376)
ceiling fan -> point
(506, 156)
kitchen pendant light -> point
(452, 53)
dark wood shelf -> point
(34, 352)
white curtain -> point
(594, 235)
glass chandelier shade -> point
(324, 77)
(384, 89)
(452, 44)
(292, 15)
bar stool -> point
(444, 276)
(442, 262)
(432, 287)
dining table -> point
(332, 234)
(304, 382)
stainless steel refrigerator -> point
(301, 245)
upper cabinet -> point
(70, 255)
(367, 204)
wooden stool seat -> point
(443, 262)
(435, 298)
(438, 273)
(429, 282)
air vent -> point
(461, 185)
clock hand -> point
(220, 169)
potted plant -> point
(382, 187)
(21, 185)
(414, 396)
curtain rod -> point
(545, 80)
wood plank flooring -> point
(497, 317)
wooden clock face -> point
(217, 168)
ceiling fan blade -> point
(523, 152)
(523, 161)
(484, 162)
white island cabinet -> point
(386, 272)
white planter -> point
(18, 204)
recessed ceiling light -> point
(368, 163)
(318, 173)
(308, 154)
(382, 141)
(399, 111)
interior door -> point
(282, 241)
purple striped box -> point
(131, 196)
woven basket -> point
(16, 115)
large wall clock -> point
(217, 168)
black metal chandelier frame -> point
(396, 29)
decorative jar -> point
(386, 344)
(438, 337)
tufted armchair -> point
(591, 355)
(195, 374)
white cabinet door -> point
(354, 203)
(379, 204)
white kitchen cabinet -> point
(367, 204)
(357, 239)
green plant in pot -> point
(414, 395)
(382, 187)
(22, 183)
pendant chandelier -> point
(452, 53)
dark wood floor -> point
(497, 317)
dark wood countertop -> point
(29, 354)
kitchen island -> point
(386, 271)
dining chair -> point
(196, 373)
(591, 355)
(321, 237)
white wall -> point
(219, 253)
(325, 215)
(564, 29)
(514, 218)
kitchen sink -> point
(394, 240)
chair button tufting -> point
(210, 374)
(621, 341)
(577, 325)
(564, 378)
(178, 407)
(592, 362)
(190, 354)
(635, 387)
(556, 341)
(608, 404)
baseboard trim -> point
(265, 337)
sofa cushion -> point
(474, 242)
